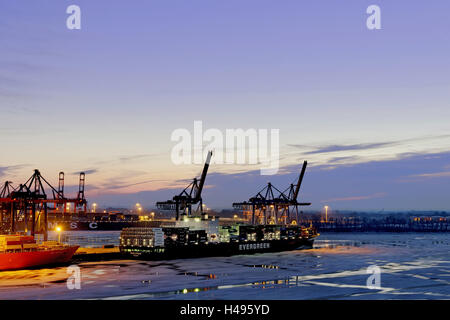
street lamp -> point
(94, 205)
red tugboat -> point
(20, 252)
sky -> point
(368, 109)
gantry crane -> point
(5, 206)
(190, 196)
(272, 206)
(30, 203)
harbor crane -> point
(6, 189)
(272, 206)
(190, 196)
(5, 206)
(29, 203)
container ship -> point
(193, 238)
(101, 225)
(271, 226)
(20, 252)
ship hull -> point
(23, 260)
(215, 249)
(103, 225)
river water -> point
(412, 266)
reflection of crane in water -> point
(271, 205)
(191, 195)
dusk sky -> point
(368, 109)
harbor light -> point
(326, 213)
(58, 229)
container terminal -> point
(270, 224)
(196, 234)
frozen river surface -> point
(413, 266)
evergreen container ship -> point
(194, 237)
(270, 227)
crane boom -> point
(300, 179)
(203, 177)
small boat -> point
(21, 252)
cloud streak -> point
(443, 174)
(135, 157)
(331, 148)
(89, 171)
(356, 198)
(361, 146)
(10, 169)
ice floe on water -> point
(412, 265)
